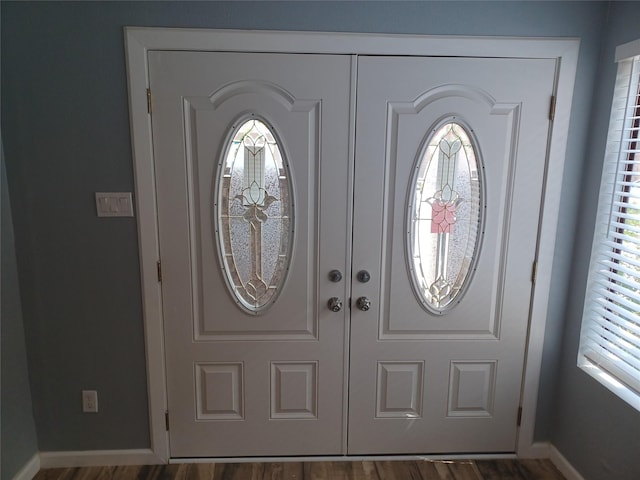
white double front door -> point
(257, 361)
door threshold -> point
(346, 458)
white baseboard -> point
(563, 465)
(30, 469)
(535, 450)
(98, 458)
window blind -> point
(610, 336)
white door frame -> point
(140, 40)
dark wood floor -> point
(382, 470)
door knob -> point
(335, 304)
(363, 303)
(335, 276)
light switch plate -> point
(114, 204)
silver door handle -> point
(335, 304)
(363, 303)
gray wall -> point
(18, 439)
(595, 430)
(66, 132)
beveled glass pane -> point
(254, 215)
(444, 217)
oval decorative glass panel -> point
(445, 215)
(254, 215)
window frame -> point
(603, 353)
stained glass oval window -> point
(445, 215)
(254, 215)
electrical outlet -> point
(90, 401)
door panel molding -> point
(139, 41)
(511, 111)
(310, 109)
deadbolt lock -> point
(363, 276)
(335, 276)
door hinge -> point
(148, 100)
(519, 416)
(166, 420)
(159, 266)
(534, 271)
(552, 108)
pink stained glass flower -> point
(443, 216)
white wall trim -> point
(535, 450)
(99, 458)
(627, 50)
(139, 41)
(567, 64)
(30, 469)
(148, 243)
(95, 458)
(563, 465)
(343, 43)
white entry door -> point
(255, 198)
(251, 157)
(450, 159)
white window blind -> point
(610, 337)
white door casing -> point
(140, 41)
(241, 383)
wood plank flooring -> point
(369, 470)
